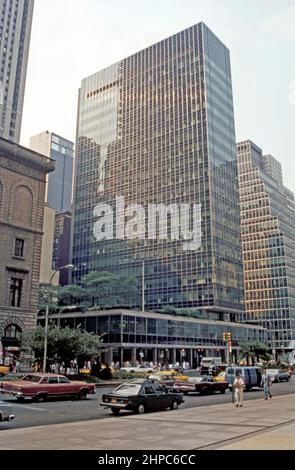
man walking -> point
(265, 384)
(239, 390)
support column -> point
(173, 355)
(133, 356)
(155, 355)
(109, 355)
(191, 358)
(121, 356)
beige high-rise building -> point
(268, 244)
(15, 33)
(22, 196)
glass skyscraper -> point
(268, 242)
(158, 128)
(60, 181)
(15, 32)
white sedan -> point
(139, 368)
(5, 412)
(278, 375)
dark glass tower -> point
(158, 128)
(15, 32)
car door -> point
(66, 387)
(149, 396)
(162, 399)
(53, 386)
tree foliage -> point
(63, 344)
(254, 350)
(97, 289)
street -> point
(65, 411)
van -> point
(250, 375)
(210, 361)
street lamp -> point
(67, 266)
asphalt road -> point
(64, 411)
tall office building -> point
(158, 128)
(268, 242)
(61, 245)
(15, 32)
(59, 185)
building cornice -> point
(26, 156)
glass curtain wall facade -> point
(158, 127)
(268, 243)
(126, 333)
(15, 32)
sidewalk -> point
(260, 424)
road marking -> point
(16, 405)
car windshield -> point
(32, 378)
(128, 389)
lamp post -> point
(67, 266)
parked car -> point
(278, 375)
(140, 368)
(141, 395)
(40, 386)
(251, 376)
(204, 384)
(11, 378)
(221, 377)
(5, 412)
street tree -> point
(63, 344)
(254, 350)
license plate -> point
(114, 401)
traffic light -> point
(227, 337)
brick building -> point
(22, 195)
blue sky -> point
(72, 39)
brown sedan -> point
(204, 384)
(42, 386)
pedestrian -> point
(239, 390)
(265, 384)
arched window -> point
(12, 331)
(23, 205)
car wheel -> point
(174, 405)
(141, 409)
(40, 398)
(82, 395)
(20, 399)
(115, 411)
(222, 391)
(185, 393)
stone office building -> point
(22, 195)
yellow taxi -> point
(4, 370)
(221, 377)
(167, 374)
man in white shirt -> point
(239, 390)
